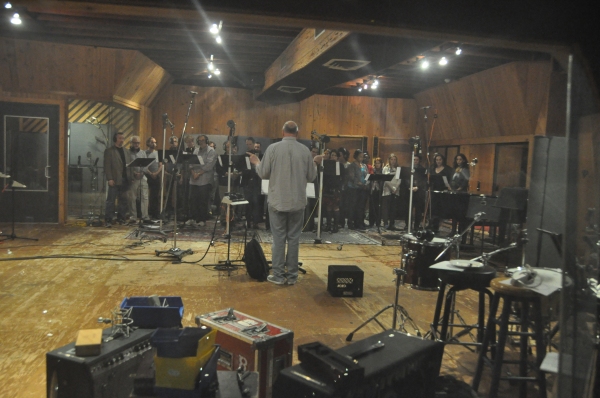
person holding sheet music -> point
(311, 211)
(251, 185)
(358, 191)
(376, 186)
(201, 180)
(153, 175)
(391, 193)
(118, 178)
(138, 189)
(332, 190)
(439, 179)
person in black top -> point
(118, 178)
(332, 190)
(461, 176)
(436, 179)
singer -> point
(438, 172)
(118, 178)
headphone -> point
(200, 136)
(115, 136)
(173, 138)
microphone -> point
(426, 107)
(193, 92)
(321, 137)
(167, 121)
(231, 124)
(96, 162)
(474, 162)
(79, 160)
(477, 216)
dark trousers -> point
(375, 208)
(357, 199)
(119, 192)
(254, 210)
(154, 197)
(198, 202)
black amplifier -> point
(395, 365)
(109, 374)
(345, 281)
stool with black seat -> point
(528, 303)
(461, 275)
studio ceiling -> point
(176, 35)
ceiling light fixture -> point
(210, 76)
(211, 66)
(458, 51)
(424, 64)
(7, 5)
(443, 61)
(217, 72)
(219, 40)
(214, 29)
(16, 19)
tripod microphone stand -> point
(175, 251)
(399, 312)
(12, 236)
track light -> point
(424, 64)
(359, 89)
(217, 72)
(16, 19)
(443, 61)
(458, 51)
(214, 29)
(211, 66)
(210, 76)
(219, 40)
(7, 5)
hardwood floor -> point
(85, 272)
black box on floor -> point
(345, 281)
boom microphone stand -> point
(12, 236)
(175, 251)
(323, 139)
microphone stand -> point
(318, 239)
(12, 235)
(455, 240)
(412, 177)
(175, 251)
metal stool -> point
(477, 279)
(526, 298)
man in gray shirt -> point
(289, 166)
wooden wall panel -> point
(511, 99)
(484, 170)
(331, 115)
(588, 192)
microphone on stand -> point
(426, 107)
(167, 121)
(96, 162)
(477, 216)
(193, 92)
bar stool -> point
(528, 317)
(477, 279)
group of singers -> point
(348, 192)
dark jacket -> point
(113, 165)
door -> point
(29, 156)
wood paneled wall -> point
(511, 99)
(588, 192)
(331, 115)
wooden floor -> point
(46, 301)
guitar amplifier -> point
(108, 375)
(345, 281)
(252, 344)
(394, 364)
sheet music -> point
(172, 159)
(446, 182)
(367, 177)
(398, 172)
(248, 165)
(220, 161)
(337, 168)
(310, 188)
(200, 160)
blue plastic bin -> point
(146, 316)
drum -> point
(417, 257)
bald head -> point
(290, 128)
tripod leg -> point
(374, 317)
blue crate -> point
(147, 316)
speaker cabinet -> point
(108, 375)
(345, 281)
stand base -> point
(175, 252)
(402, 316)
(13, 237)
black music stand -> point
(513, 204)
(383, 178)
(14, 184)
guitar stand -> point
(399, 312)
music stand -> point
(383, 178)
(240, 163)
(14, 184)
(487, 206)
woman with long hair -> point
(461, 176)
(391, 194)
(374, 205)
(438, 171)
(332, 190)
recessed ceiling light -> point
(209, 76)
(214, 29)
(16, 19)
(219, 40)
(217, 72)
(443, 61)
(458, 51)
(7, 5)
(424, 64)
